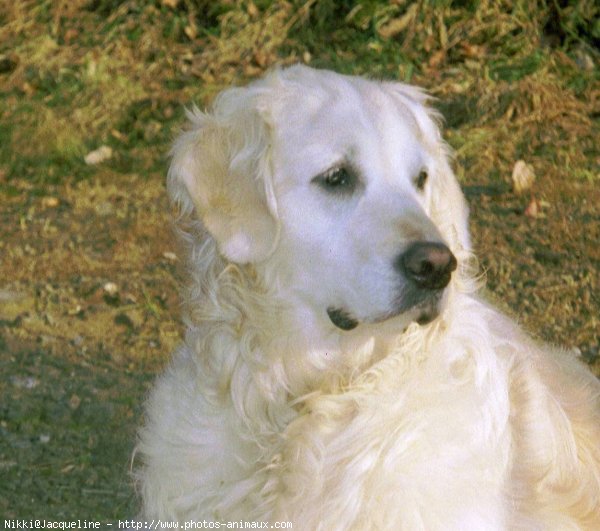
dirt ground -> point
(89, 313)
(89, 308)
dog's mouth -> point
(425, 311)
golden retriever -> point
(339, 369)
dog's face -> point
(337, 188)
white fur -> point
(270, 412)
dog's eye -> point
(337, 180)
(421, 179)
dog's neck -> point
(234, 335)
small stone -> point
(99, 155)
(25, 382)
(77, 341)
(111, 289)
(172, 257)
(584, 61)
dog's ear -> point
(221, 169)
(446, 203)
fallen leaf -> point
(533, 209)
(473, 50)
(398, 25)
(253, 11)
(77, 310)
(118, 135)
(437, 58)
(50, 202)
(261, 58)
(523, 177)
(191, 31)
(74, 402)
(71, 35)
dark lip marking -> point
(341, 319)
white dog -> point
(338, 370)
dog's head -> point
(336, 188)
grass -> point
(92, 73)
(514, 80)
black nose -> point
(428, 264)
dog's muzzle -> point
(427, 267)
